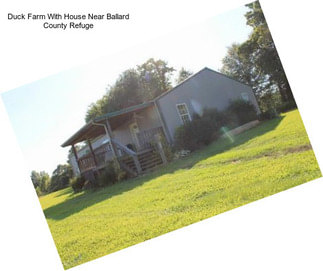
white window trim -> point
(180, 115)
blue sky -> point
(45, 113)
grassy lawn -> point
(265, 160)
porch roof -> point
(123, 111)
(92, 129)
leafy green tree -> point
(183, 74)
(126, 91)
(134, 86)
(60, 177)
(241, 67)
(260, 46)
(41, 180)
(256, 62)
(35, 178)
(155, 77)
(96, 109)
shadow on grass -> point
(63, 192)
(86, 199)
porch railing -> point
(104, 153)
(146, 137)
(86, 163)
(125, 151)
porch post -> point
(168, 138)
(92, 152)
(160, 149)
(76, 157)
(109, 131)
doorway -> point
(134, 131)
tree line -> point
(43, 183)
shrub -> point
(287, 106)
(168, 151)
(269, 100)
(268, 115)
(215, 118)
(240, 112)
(60, 177)
(203, 130)
(88, 185)
(167, 148)
(77, 183)
(111, 174)
(122, 175)
(195, 134)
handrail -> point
(130, 152)
(123, 147)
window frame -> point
(182, 115)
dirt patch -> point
(298, 149)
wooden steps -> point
(148, 159)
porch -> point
(102, 155)
(132, 138)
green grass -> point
(265, 160)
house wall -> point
(122, 134)
(146, 119)
(207, 89)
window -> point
(183, 113)
(245, 96)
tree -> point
(60, 178)
(127, 91)
(183, 74)
(96, 109)
(40, 180)
(241, 67)
(34, 178)
(133, 86)
(155, 77)
(256, 62)
(261, 47)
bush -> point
(203, 130)
(268, 115)
(88, 185)
(240, 112)
(77, 183)
(168, 151)
(215, 118)
(287, 106)
(195, 134)
(269, 100)
(111, 174)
